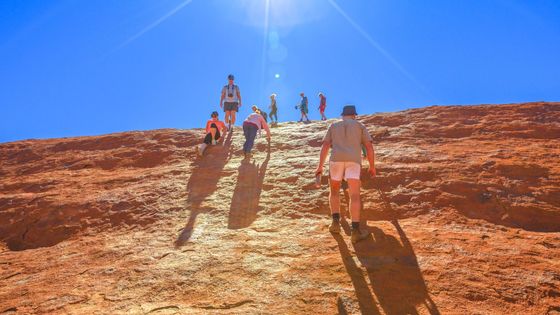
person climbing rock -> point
(322, 105)
(254, 122)
(345, 138)
(303, 107)
(213, 128)
(232, 97)
(273, 114)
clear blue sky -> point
(86, 67)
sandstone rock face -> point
(464, 215)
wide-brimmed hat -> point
(349, 110)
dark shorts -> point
(231, 106)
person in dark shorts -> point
(273, 114)
(214, 130)
(303, 107)
(230, 101)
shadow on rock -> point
(393, 271)
(247, 193)
(203, 182)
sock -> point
(336, 217)
(355, 225)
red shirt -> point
(323, 103)
(220, 124)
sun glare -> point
(282, 13)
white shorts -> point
(348, 170)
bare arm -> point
(239, 97)
(222, 98)
(323, 156)
(371, 158)
(265, 126)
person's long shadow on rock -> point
(394, 272)
(203, 182)
(366, 302)
(392, 268)
(247, 193)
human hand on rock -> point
(371, 172)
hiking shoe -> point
(358, 235)
(334, 227)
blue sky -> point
(77, 67)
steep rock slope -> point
(464, 215)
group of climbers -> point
(345, 140)
(230, 102)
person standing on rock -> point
(232, 97)
(303, 107)
(273, 114)
(322, 105)
(345, 138)
(254, 122)
(213, 128)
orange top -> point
(220, 124)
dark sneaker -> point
(358, 235)
(334, 227)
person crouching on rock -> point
(254, 122)
(345, 138)
(213, 128)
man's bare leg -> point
(232, 113)
(355, 205)
(334, 203)
(227, 117)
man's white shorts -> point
(348, 170)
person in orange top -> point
(213, 128)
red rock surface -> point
(464, 215)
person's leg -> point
(233, 114)
(208, 138)
(217, 135)
(355, 203)
(246, 134)
(227, 117)
(334, 197)
(352, 175)
(251, 134)
(336, 171)
(213, 131)
(207, 141)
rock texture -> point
(464, 215)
